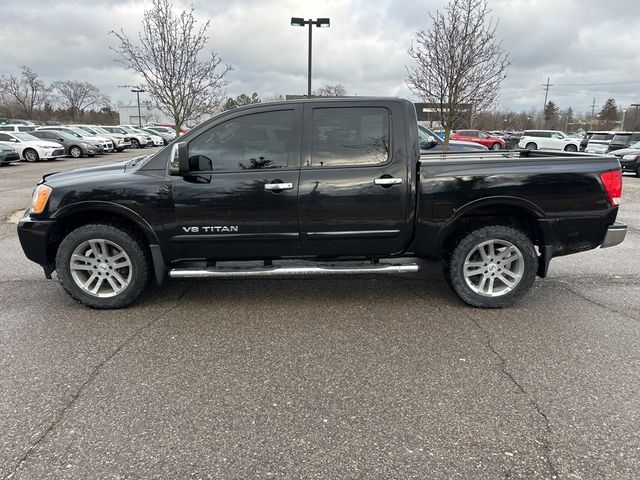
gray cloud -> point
(588, 49)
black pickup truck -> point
(319, 187)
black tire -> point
(495, 146)
(531, 146)
(570, 148)
(135, 143)
(30, 155)
(75, 152)
(473, 240)
(123, 238)
(638, 172)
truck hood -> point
(80, 173)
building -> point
(428, 115)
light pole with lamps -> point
(138, 91)
(301, 22)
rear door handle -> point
(388, 181)
(278, 186)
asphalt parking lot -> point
(341, 377)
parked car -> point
(256, 183)
(17, 127)
(73, 146)
(585, 140)
(166, 137)
(548, 140)
(120, 142)
(8, 154)
(511, 139)
(32, 148)
(430, 142)
(102, 144)
(623, 140)
(157, 128)
(599, 142)
(157, 140)
(483, 138)
(138, 139)
(629, 158)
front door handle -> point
(278, 186)
(388, 181)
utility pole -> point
(546, 94)
(593, 111)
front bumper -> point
(615, 235)
(34, 236)
(55, 153)
(630, 165)
(10, 158)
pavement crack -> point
(596, 303)
(546, 438)
(89, 380)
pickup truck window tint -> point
(250, 142)
(349, 136)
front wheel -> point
(75, 152)
(30, 155)
(492, 267)
(495, 146)
(638, 172)
(102, 266)
(135, 143)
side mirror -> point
(428, 144)
(60, 139)
(179, 159)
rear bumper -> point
(615, 235)
(34, 235)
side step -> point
(272, 271)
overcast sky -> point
(589, 48)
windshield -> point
(426, 135)
(99, 130)
(25, 137)
(80, 132)
(602, 136)
(90, 130)
(635, 145)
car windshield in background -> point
(25, 137)
(64, 135)
(100, 130)
(79, 131)
(635, 145)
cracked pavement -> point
(342, 377)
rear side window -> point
(6, 129)
(26, 129)
(621, 138)
(349, 136)
(4, 137)
(251, 142)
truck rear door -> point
(354, 187)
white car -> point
(138, 139)
(17, 127)
(548, 140)
(157, 139)
(599, 142)
(32, 148)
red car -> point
(483, 138)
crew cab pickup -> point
(319, 187)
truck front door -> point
(240, 199)
(354, 184)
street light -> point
(301, 22)
(138, 91)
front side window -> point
(349, 136)
(251, 142)
(5, 138)
(557, 136)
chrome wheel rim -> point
(493, 268)
(76, 152)
(100, 268)
(31, 156)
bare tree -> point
(79, 96)
(459, 64)
(337, 90)
(28, 90)
(167, 58)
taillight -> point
(612, 181)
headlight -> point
(40, 198)
(631, 156)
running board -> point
(272, 271)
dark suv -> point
(623, 140)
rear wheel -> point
(531, 146)
(570, 148)
(492, 267)
(102, 266)
(30, 155)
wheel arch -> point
(510, 211)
